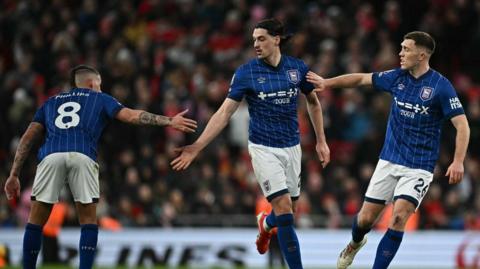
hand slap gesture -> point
(187, 155)
(183, 124)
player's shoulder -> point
(290, 60)
(245, 68)
(293, 59)
(56, 96)
(248, 65)
(392, 72)
(440, 76)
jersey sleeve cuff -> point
(235, 98)
(116, 110)
(374, 80)
(454, 113)
(38, 121)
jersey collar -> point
(280, 64)
(426, 74)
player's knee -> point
(282, 205)
(400, 218)
(366, 219)
(39, 213)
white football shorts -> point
(72, 168)
(277, 169)
(393, 181)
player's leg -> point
(389, 244)
(32, 239)
(409, 193)
(271, 178)
(84, 185)
(48, 182)
(284, 206)
(88, 234)
(286, 234)
(380, 191)
(361, 225)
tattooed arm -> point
(30, 137)
(141, 117)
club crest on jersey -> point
(293, 76)
(266, 186)
(426, 93)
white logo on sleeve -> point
(384, 72)
(455, 103)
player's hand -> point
(316, 80)
(187, 155)
(183, 124)
(12, 187)
(455, 172)
(323, 152)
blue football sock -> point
(358, 233)
(288, 241)
(88, 245)
(271, 220)
(32, 241)
(387, 248)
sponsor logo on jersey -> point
(409, 109)
(293, 76)
(426, 93)
(284, 95)
(455, 103)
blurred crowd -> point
(167, 55)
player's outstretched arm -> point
(141, 117)
(214, 126)
(343, 81)
(314, 109)
(33, 134)
(455, 170)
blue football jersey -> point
(271, 94)
(419, 108)
(75, 120)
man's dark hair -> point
(274, 27)
(422, 39)
(81, 69)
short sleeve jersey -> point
(75, 120)
(272, 97)
(419, 108)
